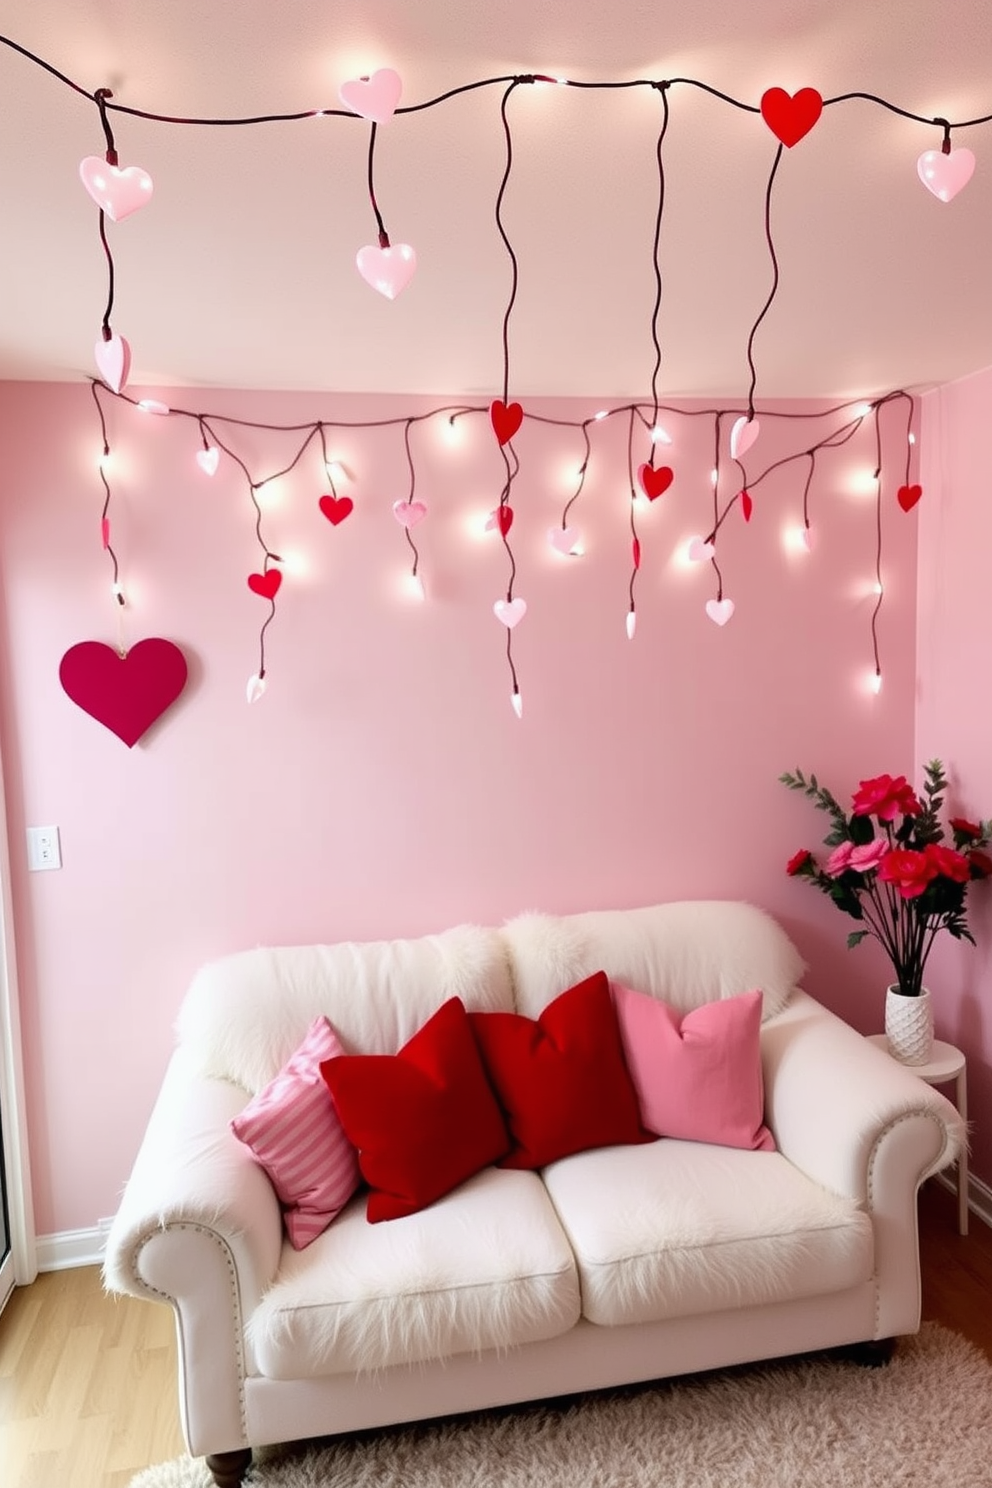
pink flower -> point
(868, 855)
(886, 798)
(839, 860)
(947, 862)
(909, 871)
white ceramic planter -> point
(909, 1026)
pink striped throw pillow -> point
(293, 1130)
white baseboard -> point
(72, 1248)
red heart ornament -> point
(655, 482)
(506, 419)
(908, 496)
(124, 693)
(265, 584)
(747, 505)
(790, 115)
(336, 508)
(504, 519)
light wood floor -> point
(88, 1382)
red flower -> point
(798, 861)
(980, 863)
(886, 798)
(910, 871)
(965, 827)
(948, 862)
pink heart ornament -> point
(945, 175)
(719, 610)
(409, 513)
(373, 97)
(699, 551)
(563, 539)
(117, 192)
(113, 358)
(208, 460)
(389, 270)
(743, 435)
(510, 612)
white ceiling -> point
(240, 271)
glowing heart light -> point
(116, 192)
(265, 585)
(743, 434)
(945, 175)
(655, 482)
(208, 460)
(336, 508)
(564, 540)
(388, 269)
(506, 419)
(790, 116)
(374, 97)
(699, 551)
(719, 610)
(510, 612)
(908, 496)
(255, 688)
(409, 513)
(113, 359)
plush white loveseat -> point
(610, 1266)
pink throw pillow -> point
(293, 1130)
(697, 1075)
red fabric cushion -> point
(424, 1119)
(561, 1079)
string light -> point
(945, 172)
(875, 682)
(517, 702)
(660, 435)
(152, 405)
(256, 687)
(631, 623)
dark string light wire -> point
(774, 289)
(635, 541)
(412, 470)
(105, 528)
(488, 82)
(655, 263)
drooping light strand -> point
(103, 465)
(506, 417)
(332, 506)
(806, 536)
(564, 538)
(208, 458)
(659, 214)
(879, 586)
(112, 190)
(409, 513)
(635, 542)
(387, 266)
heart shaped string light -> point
(376, 97)
(945, 172)
(387, 267)
(790, 116)
(116, 192)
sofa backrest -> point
(245, 1014)
(684, 953)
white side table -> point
(946, 1064)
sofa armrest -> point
(191, 1171)
(840, 1108)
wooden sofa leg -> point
(228, 1468)
(874, 1352)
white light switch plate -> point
(44, 848)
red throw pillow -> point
(423, 1120)
(561, 1079)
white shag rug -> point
(922, 1421)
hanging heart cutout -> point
(500, 520)
(743, 434)
(790, 116)
(336, 508)
(389, 270)
(506, 419)
(124, 693)
(113, 359)
(563, 539)
(208, 460)
(409, 513)
(908, 496)
(265, 585)
(510, 612)
(945, 175)
(373, 97)
(719, 610)
(117, 192)
(747, 505)
(655, 482)
(699, 551)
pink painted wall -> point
(954, 714)
(383, 786)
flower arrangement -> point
(891, 868)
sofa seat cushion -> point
(486, 1267)
(677, 1228)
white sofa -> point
(610, 1266)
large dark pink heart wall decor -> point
(124, 693)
